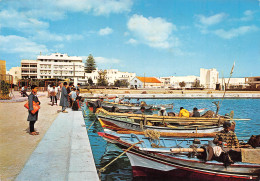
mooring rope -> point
(104, 168)
(91, 125)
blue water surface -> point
(121, 169)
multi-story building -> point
(111, 76)
(254, 82)
(2, 67)
(174, 81)
(29, 69)
(209, 78)
(59, 65)
(16, 73)
(232, 83)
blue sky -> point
(151, 37)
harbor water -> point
(104, 152)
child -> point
(32, 118)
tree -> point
(4, 90)
(90, 81)
(102, 78)
(121, 83)
(182, 84)
(196, 83)
(90, 64)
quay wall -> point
(180, 96)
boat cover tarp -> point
(250, 155)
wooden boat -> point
(125, 107)
(176, 159)
(167, 124)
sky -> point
(149, 37)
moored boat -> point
(172, 161)
(167, 124)
(125, 107)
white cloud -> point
(132, 41)
(100, 7)
(20, 22)
(20, 45)
(103, 60)
(55, 10)
(155, 32)
(235, 32)
(248, 15)
(48, 36)
(210, 20)
(105, 31)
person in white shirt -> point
(162, 112)
(73, 94)
(53, 93)
(59, 91)
(117, 100)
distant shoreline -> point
(169, 94)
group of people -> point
(54, 93)
(68, 95)
(183, 112)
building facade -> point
(209, 78)
(145, 82)
(111, 76)
(174, 81)
(59, 65)
(254, 82)
(2, 67)
(16, 73)
(29, 69)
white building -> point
(29, 69)
(111, 76)
(145, 82)
(16, 73)
(174, 81)
(59, 65)
(209, 78)
(233, 83)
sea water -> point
(104, 152)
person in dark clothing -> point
(64, 98)
(32, 118)
(69, 89)
(195, 112)
(141, 111)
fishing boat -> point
(180, 159)
(125, 107)
(167, 124)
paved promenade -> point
(64, 153)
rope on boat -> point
(91, 125)
(104, 168)
(153, 135)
